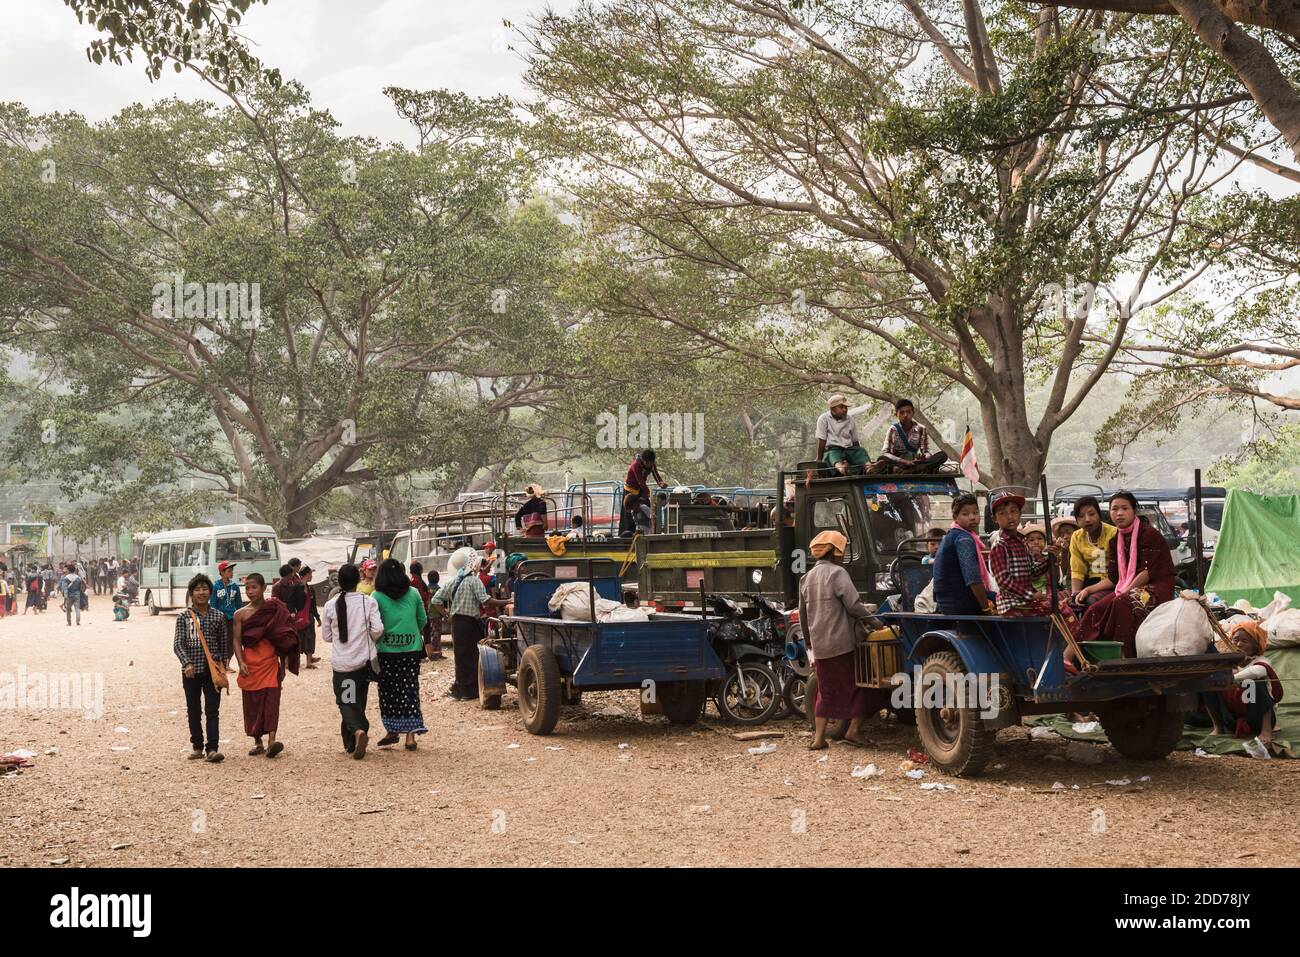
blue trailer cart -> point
(1003, 669)
(551, 661)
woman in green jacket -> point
(400, 650)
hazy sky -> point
(344, 51)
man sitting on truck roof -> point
(837, 437)
(962, 583)
(907, 443)
(636, 490)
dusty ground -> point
(481, 791)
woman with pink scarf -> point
(1139, 566)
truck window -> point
(1212, 513)
(836, 514)
(400, 548)
(895, 517)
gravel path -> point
(603, 790)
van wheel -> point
(148, 600)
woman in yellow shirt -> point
(1088, 552)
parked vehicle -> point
(172, 558)
(750, 691)
(551, 661)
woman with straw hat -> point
(830, 611)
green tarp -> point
(1258, 551)
(1286, 736)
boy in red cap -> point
(226, 596)
(1014, 568)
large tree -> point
(242, 294)
(889, 198)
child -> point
(1036, 542)
(932, 545)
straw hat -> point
(535, 490)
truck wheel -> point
(955, 738)
(148, 600)
(756, 701)
(488, 702)
(682, 701)
(539, 689)
(1143, 735)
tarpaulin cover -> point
(1258, 551)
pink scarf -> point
(979, 554)
(1128, 564)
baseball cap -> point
(222, 566)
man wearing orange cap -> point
(830, 610)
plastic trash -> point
(938, 786)
(1257, 749)
(915, 775)
(1119, 782)
(917, 756)
(1086, 727)
(1041, 733)
(1058, 786)
(870, 771)
(766, 748)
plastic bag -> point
(1283, 629)
(1178, 627)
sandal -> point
(256, 751)
(391, 738)
(275, 749)
(411, 746)
(215, 757)
(854, 742)
(817, 747)
(359, 749)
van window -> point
(151, 557)
(247, 548)
(178, 555)
(196, 554)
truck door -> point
(839, 512)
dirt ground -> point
(603, 790)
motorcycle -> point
(750, 692)
(781, 629)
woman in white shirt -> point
(350, 624)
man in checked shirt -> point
(1013, 568)
(196, 677)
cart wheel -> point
(148, 600)
(835, 730)
(1143, 735)
(682, 701)
(955, 738)
(539, 689)
(488, 702)
(795, 694)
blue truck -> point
(551, 661)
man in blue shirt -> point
(959, 569)
(226, 597)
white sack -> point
(1178, 627)
(573, 603)
(1283, 629)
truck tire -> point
(682, 701)
(1143, 735)
(539, 689)
(954, 737)
(488, 702)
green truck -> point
(885, 519)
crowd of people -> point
(72, 580)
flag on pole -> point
(969, 467)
